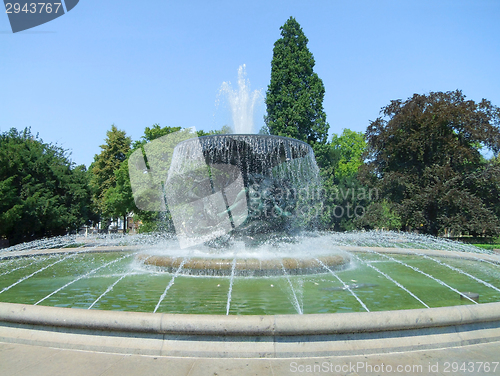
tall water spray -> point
(242, 102)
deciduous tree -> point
(106, 163)
(425, 155)
(41, 192)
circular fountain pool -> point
(323, 273)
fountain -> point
(248, 281)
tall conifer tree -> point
(294, 98)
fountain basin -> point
(282, 280)
(347, 330)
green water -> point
(141, 289)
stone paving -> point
(27, 360)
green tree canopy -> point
(103, 178)
(42, 193)
(341, 159)
(347, 153)
(425, 156)
(294, 98)
(153, 133)
(118, 200)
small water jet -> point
(242, 102)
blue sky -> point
(133, 64)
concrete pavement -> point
(27, 360)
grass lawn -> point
(488, 246)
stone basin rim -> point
(248, 325)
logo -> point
(24, 15)
(205, 200)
